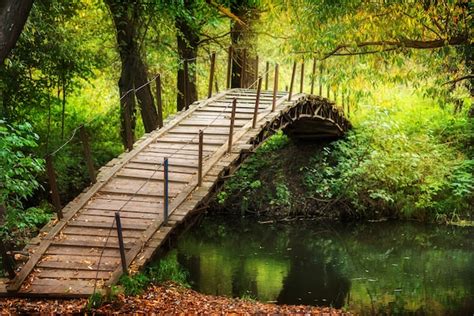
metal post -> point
(292, 81)
(313, 74)
(159, 101)
(275, 87)
(302, 77)
(186, 91)
(267, 68)
(120, 242)
(211, 74)
(231, 128)
(201, 141)
(229, 67)
(257, 102)
(53, 186)
(87, 153)
(165, 191)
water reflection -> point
(369, 268)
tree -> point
(13, 15)
(133, 76)
(187, 35)
(243, 42)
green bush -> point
(398, 162)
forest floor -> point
(165, 298)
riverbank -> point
(167, 298)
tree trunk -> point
(243, 39)
(134, 72)
(13, 16)
(188, 41)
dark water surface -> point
(370, 268)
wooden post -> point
(216, 86)
(243, 75)
(292, 81)
(257, 102)
(256, 67)
(201, 140)
(267, 68)
(302, 77)
(7, 261)
(336, 89)
(211, 75)
(53, 186)
(120, 242)
(229, 67)
(321, 80)
(328, 88)
(186, 91)
(275, 87)
(231, 128)
(87, 153)
(313, 74)
(159, 101)
(165, 191)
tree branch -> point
(456, 80)
(405, 43)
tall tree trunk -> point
(242, 38)
(188, 41)
(134, 72)
(13, 16)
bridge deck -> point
(79, 253)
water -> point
(369, 268)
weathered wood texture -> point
(81, 252)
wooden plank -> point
(137, 214)
(89, 244)
(193, 140)
(94, 231)
(55, 287)
(71, 274)
(155, 176)
(81, 265)
(140, 187)
(90, 260)
(81, 251)
(119, 202)
(105, 225)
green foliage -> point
(134, 285)
(94, 301)
(246, 187)
(166, 269)
(18, 166)
(397, 163)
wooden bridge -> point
(79, 254)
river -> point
(369, 268)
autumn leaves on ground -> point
(165, 298)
